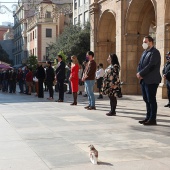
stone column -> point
(161, 42)
(94, 17)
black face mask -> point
(167, 57)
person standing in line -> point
(29, 80)
(166, 76)
(0, 79)
(12, 81)
(99, 78)
(26, 70)
(20, 79)
(150, 77)
(74, 79)
(67, 77)
(50, 79)
(41, 77)
(81, 83)
(89, 79)
(111, 82)
(60, 77)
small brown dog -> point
(93, 154)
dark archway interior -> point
(106, 36)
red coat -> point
(74, 78)
(29, 77)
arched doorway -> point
(140, 21)
(106, 36)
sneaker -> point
(85, 95)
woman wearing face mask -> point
(74, 78)
(111, 82)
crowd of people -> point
(83, 77)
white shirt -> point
(99, 73)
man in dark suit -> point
(40, 76)
(50, 80)
(60, 77)
(166, 76)
(150, 77)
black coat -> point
(60, 71)
(166, 70)
(149, 66)
(49, 74)
(40, 73)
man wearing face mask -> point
(150, 77)
(166, 75)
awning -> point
(17, 66)
(3, 66)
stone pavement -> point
(36, 134)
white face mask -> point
(145, 46)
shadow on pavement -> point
(105, 163)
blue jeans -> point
(89, 84)
(149, 96)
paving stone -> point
(36, 134)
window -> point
(81, 19)
(48, 32)
(86, 17)
(31, 37)
(75, 21)
(48, 14)
(47, 52)
(75, 4)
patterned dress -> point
(111, 81)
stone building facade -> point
(118, 26)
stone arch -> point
(140, 21)
(167, 11)
(106, 36)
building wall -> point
(119, 27)
(3, 30)
(80, 11)
(7, 45)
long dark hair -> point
(114, 59)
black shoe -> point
(85, 95)
(149, 123)
(60, 101)
(167, 105)
(74, 103)
(91, 108)
(100, 97)
(69, 93)
(143, 121)
(80, 93)
(86, 107)
(111, 114)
